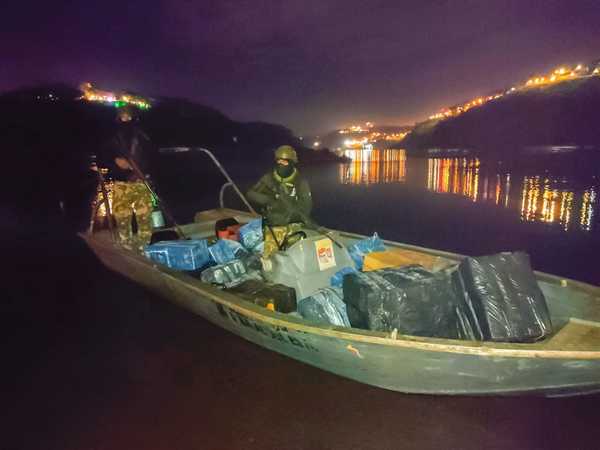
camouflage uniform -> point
(128, 189)
(284, 204)
(128, 195)
(280, 234)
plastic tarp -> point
(325, 307)
(229, 274)
(356, 318)
(261, 293)
(362, 287)
(251, 235)
(337, 280)
(413, 301)
(359, 249)
(505, 297)
(180, 255)
(225, 250)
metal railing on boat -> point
(230, 182)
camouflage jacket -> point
(282, 200)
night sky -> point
(310, 65)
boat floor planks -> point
(576, 335)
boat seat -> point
(577, 333)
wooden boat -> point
(566, 363)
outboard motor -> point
(307, 265)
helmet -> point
(125, 114)
(286, 152)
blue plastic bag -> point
(251, 234)
(337, 280)
(180, 255)
(325, 307)
(225, 250)
(359, 249)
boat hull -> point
(395, 364)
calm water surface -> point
(544, 204)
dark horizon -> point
(310, 66)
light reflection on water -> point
(540, 197)
(372, 166)
(457, 176)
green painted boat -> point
(565, 363)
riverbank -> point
(563, 114)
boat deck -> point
(577, 334)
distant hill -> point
(52, 114)
(566, 113)
(47, 135)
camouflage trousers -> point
(280, 233)
(129, 196)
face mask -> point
(284, 171)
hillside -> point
(567, 113)
(48, 134)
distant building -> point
(92, 94)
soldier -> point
(284, 199)
(131, 199)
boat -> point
(566, 363)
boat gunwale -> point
(475, 348)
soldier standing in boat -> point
(284, 199)
(126, 158)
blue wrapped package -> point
(251, 234)
(180, 255)
(359, 249)
(337, 280)
(325, 307)
(225, 250)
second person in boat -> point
(284, 199)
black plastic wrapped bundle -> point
(262, 293)
(229, 274)
(413, 301)
(325, 307)
(357, 319)
(359, 287)
(503, 292)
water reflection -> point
(456, 176)
(587, 209)
(536, 193)
(374, 166)
(463, 176)
(545, 199)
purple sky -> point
(310, 65)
